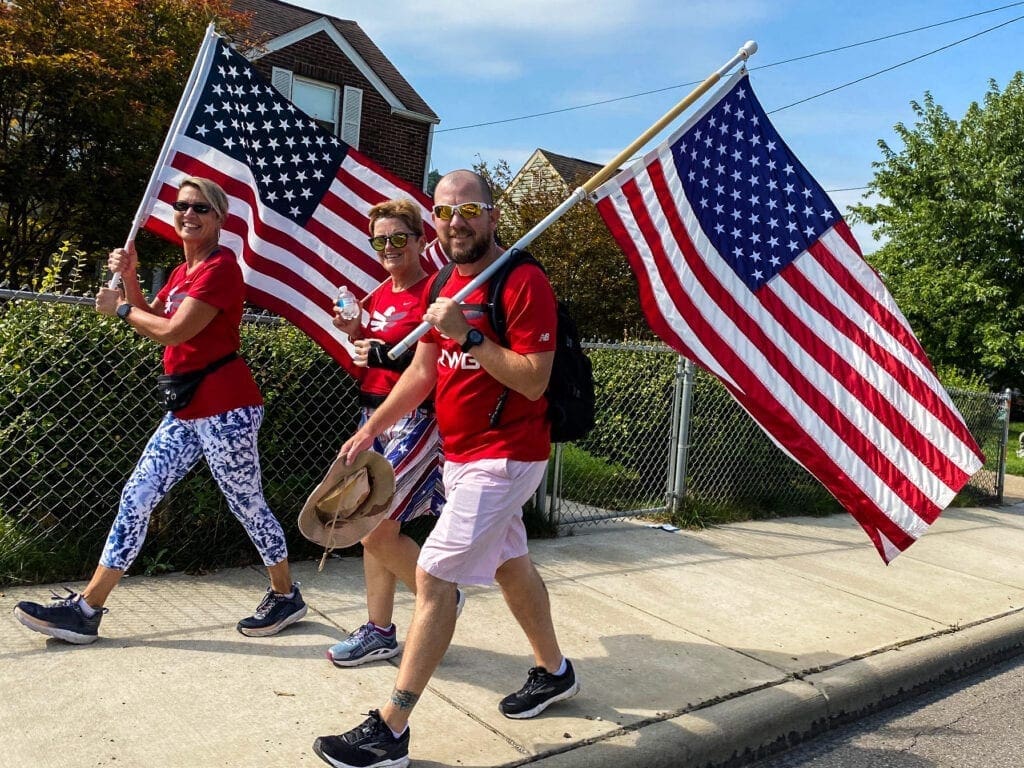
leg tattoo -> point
(404, 699)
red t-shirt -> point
(467, 394)
(393, 314)
(216, 281)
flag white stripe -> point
(888, 385)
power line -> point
(771, 64)
(896, 66)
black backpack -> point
(570, 391)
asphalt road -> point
(977, 721)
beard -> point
(479, 247)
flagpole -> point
(580, 193)
(140, 215)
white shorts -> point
(481, 525)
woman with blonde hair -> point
(196, 316)
(412, 445)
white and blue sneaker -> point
(365, 644)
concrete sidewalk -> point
(691, 647)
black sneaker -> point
(541, 690)
(63, 619)
(274, 613)
(370, 745)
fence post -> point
(1005, 445)
(680, 441)
(540, 498)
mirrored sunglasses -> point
(183, 205)
(465, 210)
(398, 240)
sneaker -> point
(63, 619)
(274, 613)
(460, 601)
(370, 745)
(363, 645)
(542, 689)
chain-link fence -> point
(670, 440)
(78, 403)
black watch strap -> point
(473, 338)
(123, 310)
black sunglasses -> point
(398, 240)
(183, 205)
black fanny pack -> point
(177, 390)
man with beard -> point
(491, 469)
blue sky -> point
(492, 61)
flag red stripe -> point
(910, 380)
(243, 192)
(855, 383)
(885, 319)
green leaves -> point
(87, 92)
(953, 212)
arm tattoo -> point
(404, 699)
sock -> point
(561, 668)
(388, 630)
(398, 735)
(87, 610)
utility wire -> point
(773, 64)
(896, 66)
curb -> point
(753, 725)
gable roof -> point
(571, 169)
(545, 167)
(278, 24)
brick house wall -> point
(395, 142)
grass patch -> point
(598, 482)
(1014, 464)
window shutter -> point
(282, 80)
(351, 116)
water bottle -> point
(347, 304)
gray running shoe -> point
(363, 645)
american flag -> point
(298, 195)
(745, 266)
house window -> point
(318, 100)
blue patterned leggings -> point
(228, 443)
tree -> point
(586, 266)
(953, 213)
(87, 91)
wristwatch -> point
(473, 338)
(123, 310)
